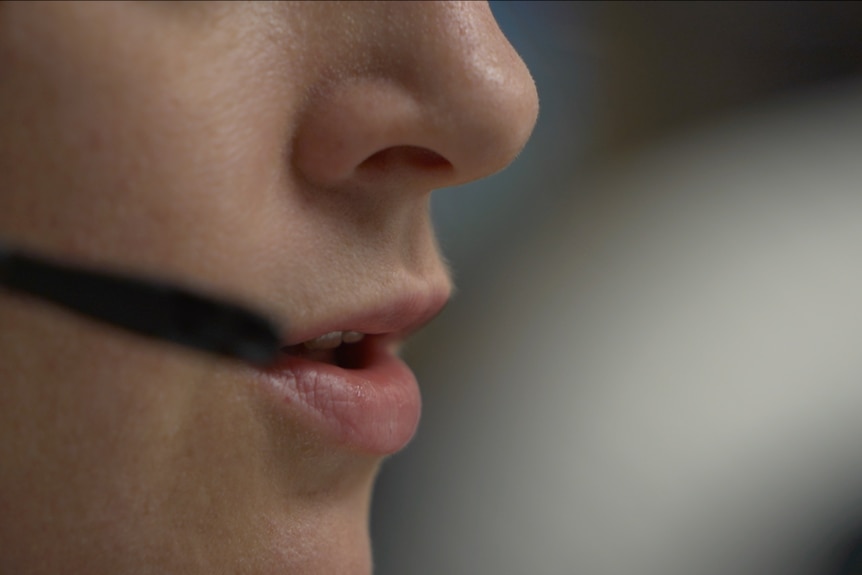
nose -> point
(437, 97)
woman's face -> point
(277, 153)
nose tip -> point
(449, 102)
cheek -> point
(78, 401)
(169, 155)
(108, 445)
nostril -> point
(405, 158)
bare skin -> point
(280, 153)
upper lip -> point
(396, 317)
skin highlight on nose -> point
(474, 103)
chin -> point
(334, 548)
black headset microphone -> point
(149, 307)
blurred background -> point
(653, 363)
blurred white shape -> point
(669, 381)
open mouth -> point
(354, 387)
(347, 349)
(343, 380)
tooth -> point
(329, 340)
(352, 336)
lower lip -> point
(374, 409)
